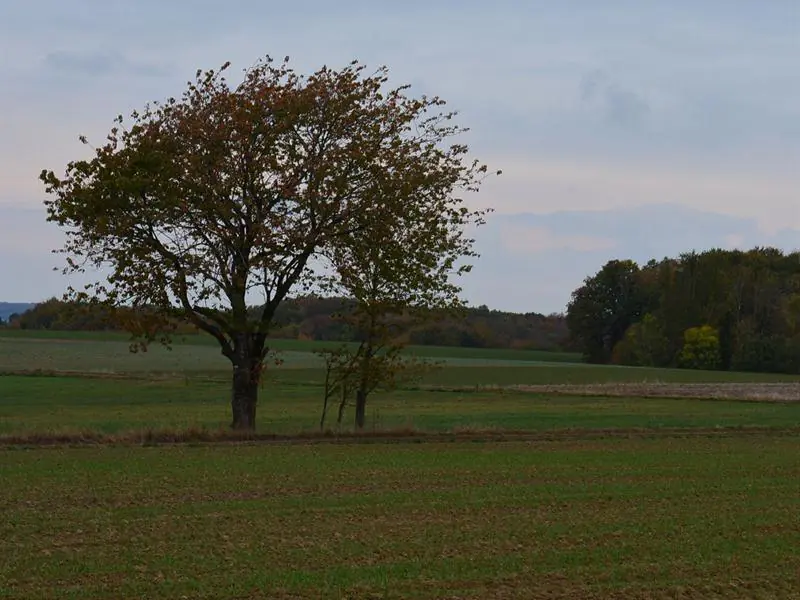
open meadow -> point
(501, 475)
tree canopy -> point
(195, 205)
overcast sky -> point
(622, 128)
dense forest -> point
(315, 318)
(720, 309)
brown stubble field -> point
(722, 390)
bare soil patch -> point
(753, 392)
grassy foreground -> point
(635, 518)
(53, 405)
(567, 510)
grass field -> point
(613, 494)
(73, 404)
(291, 346)
(103, 387)
(101, 353)
(635, 518)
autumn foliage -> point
(244, 194)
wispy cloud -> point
(524, 241)
(99, 63)
(618, 104)
(542, 185)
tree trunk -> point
(361, 408)
(243, 398)
(364, 379)
(324, 413)
(247, 363)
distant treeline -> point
(314, 318)
(720, 309)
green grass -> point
(189, 387)
(624, 518)
(30, 405)
(499, 374)
(84, 354)
(639, 515)
(300, 346)
(109, 356)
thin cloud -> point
(544, 185)
(100, 64)
(524, 241)
(618, 104)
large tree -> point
(195, 205)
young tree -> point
(402, 275)
(340, 369)
(199, 203)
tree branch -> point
(203, 321)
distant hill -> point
(9, 308)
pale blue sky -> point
(586, 106)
